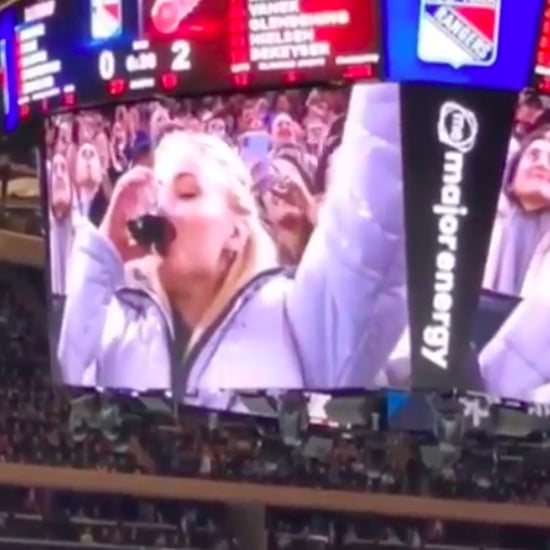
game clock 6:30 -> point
(140, 60)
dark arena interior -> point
(267, 274)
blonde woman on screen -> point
(333, 323)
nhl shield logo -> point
(459, 32)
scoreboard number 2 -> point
(182, 52)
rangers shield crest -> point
(459, 32)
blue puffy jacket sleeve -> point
(348, 307)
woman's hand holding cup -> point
(134, 195)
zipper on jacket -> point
(183, 370)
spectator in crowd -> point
(528, 115)
(523, 217)
(61, 220)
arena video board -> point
(280, 122)
(230, 242)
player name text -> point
(280, 36)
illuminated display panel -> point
(476, 43)
(64, 55)
(264, 194)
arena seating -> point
(43, 519)
(141, 436)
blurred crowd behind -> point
(285, 138)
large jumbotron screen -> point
(228, 242)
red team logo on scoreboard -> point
(459, 32)
(166, 20)
(167, 15)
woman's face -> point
(159, 118)
(60, 187)
(525, 120)
(277, 209)
(532, 178)
(102, 147)
(88, 128)
(217, 127)
(194, 125)
(249, 119)
(282, 104)
(119, 135)
(133, 120)
(89, 172)
(192, 196)
(316, 132)
(50, 134)
(64, 137)
(284, 130)
(262, 107)
(121, 114)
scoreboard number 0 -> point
(106, 65)
(182, 52)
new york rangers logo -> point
(459, 32)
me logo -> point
(457, 127)
(459, 33)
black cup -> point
(152, 232)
